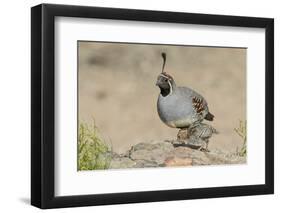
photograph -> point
(160, 105)
(141, 105)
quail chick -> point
(200, 135)
(179, 107)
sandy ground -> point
(117, 89)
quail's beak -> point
(157, 83)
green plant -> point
(93, 152)
(242, 132)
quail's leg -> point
(205, 149)
(207, 144)
(201, 148)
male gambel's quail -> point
(180, 107)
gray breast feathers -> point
(182, 107)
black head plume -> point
(164, 61)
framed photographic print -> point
(140, 106)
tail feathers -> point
(209, 117)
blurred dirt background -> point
(117, 89)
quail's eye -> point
(166, 80)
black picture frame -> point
(43, 105)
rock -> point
(146, 164)
(170, 153)
(155, 152)
(197, 156)
(176, 161)
(225, 158)
(122, 162)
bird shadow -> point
(190, 146)
(185, 145)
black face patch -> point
(163, 82)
